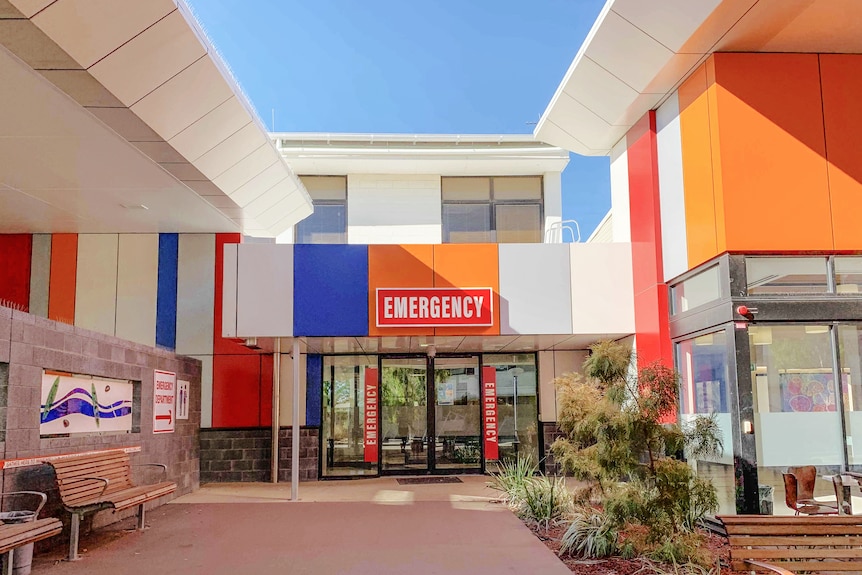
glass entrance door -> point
(457, 415)
(404, 415)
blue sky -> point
(405, 66)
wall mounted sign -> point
(84, 404)
(435, 307)
(372, 410)
(182, 399)
(489, 413)
(164, 401)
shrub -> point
(591, 534)
(511, 477)
(545, 500)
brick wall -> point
(233, 455)
(551, 432)
(28, 344)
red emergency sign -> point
(435, 307)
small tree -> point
(615, 439)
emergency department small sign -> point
(435, 307)
(489, 413)
(164, 401)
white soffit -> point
(640, 51)
(612, 83)
(147, 70)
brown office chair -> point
(810, 507)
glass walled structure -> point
(770, 346)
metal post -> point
(276, 424)
(73, 537)
(294, 460)
(141, 517)
(7, 570)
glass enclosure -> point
(696, 290)
(343, 421)
(705, 391)
(518, 426)
(796, 404)
(786, 275)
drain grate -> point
(426, 480)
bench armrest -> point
(42, 498)
(107, 482)
(768, 566)
(162, 465)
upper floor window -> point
(786, 275)
(328, 223)
(492, 210)
(697, 290)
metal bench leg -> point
(141, 517)
(73, 537)
(7, 569)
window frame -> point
(329, 202)
(492, 203)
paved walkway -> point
(363, 526)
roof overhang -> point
(147, 71)
(446, 155)
(637, 53)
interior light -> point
(813, 329)
(760, 335)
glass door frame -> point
(431, 416)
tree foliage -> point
(615, 437)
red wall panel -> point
(64, 277)
(651, 310)
(236, 391)
(15, 257)
(266, 372)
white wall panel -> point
(96, 287)
(553, 205)
(196, 295)
(671, 189)
(602, 288)
(285, 397)
(229, 290)
(264, 300)
(137, 287)
(620, 193)
(535, 293)
(40, 274)
(394, 209)
(206, 389)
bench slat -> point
(770, 520)
(816, 566)
(12, 536)
(763, 530)
(773, 540)
(799, 553)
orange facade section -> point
(398, 266)
(63, 277)
(698, 185)
(752, 128)
(465, 266)
(841, 80)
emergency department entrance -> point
(413, 414)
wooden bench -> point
(90, 483)
(15, 535)
(786, 544)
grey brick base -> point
(243, 455)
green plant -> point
(466, 454)
(591, 534)
(511, 476)
(616, 437)
(545, 500)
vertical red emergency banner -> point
(489, 412)
(372, 411)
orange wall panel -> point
(63, 276)
(773, 153)
(468, 265)
(398, 266)
(841, 77)
(697, 172)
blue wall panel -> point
(330, 290)
(313, 387)
(166, 298)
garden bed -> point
(619, 566)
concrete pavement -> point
(354, 527)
